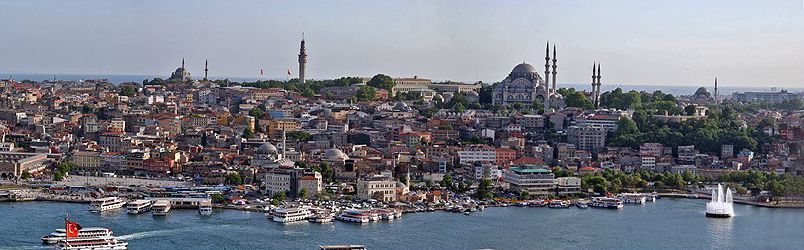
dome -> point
(524, 68)
(334, 154)
(702, 92)
(267, 148)
(472, 93)
(401, 106)
(399, 184)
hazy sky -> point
(744, 43)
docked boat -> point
(322, 218)
(205, 208)
(606, 202)
(138, 207)
(106, 204)
(290, 215)
(160, 208)
(90, 232)
(633, 198)
(354, 216)
(386, 214)
(559, 204)
(538, 203)
(93, 243)
(582, 204)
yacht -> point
(582, 204)
(93, 243)
(354, 216)
(160, 207)
(90, 232)
(386, 214)
(138, 207)
(606, 202)
(289, 215)
(106, 204)
(205, 208)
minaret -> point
(302, 60)
(594, 85)
(554, 68)
(547, 64)
(284, 143)
(182, 63)
(597, 92)
(716, 90)
(206, 70)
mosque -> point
(525, 85)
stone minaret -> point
(547, 65)
(182, 63)
(597, 91)
(206, 70)
(716, 90)
(302, 61)
(554, 68)
(594, 84)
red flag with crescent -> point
(72, 228)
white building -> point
(377, 187)
(535, 180)
(477, 153)
(590, 137)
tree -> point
(327, 173)
(298, 135)
(277, 198)
(234, 178)
(127, 90)
(446, 182)
(483, 190)
(256, 113)
(25, 175)
(458, 108)
(247, 133)
(576, 99)
(366, 93)
(303, 193)
(381, 81)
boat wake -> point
(295, 233)
(157, 233)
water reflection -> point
(720, 231)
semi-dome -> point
(524, 68)
(334, 154)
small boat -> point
(466, 213)
(343, 247)
(321, 218)
(354, 216)
(205, 208)
(559, 204)
(582, 204)
(606, 202)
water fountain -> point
(721, 204)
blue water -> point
(666, 224)
(680, 89)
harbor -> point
(559, 228)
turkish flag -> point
(72, 228)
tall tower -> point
(597, 91)
(716, 90)
(547, 65)
(554, 68)
(302, 60)
(206, 70)
(182, 63)
(594, 84)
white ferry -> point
(633, 198)
(605, 202)
(559, 204)
(138, 207)
(90, 232)
(322, 218)
(289, 215)
(354, 216)
(385, 214)
(160, 208)
(205, 208)
(106, 204)
(95, 243)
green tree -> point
(256, 113)
(484, 189)
(298, 135)
(247, 133)
(458, 108)
(127, 90)
(446, 182)
(234, 179)
(277, 198)
(25, 175)
(303, 193)
(366, 93)
(381, 81)
(577, 99)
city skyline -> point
(680, 43)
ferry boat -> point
(582, 204)
(106, 204)
(605, 202)
(633, 198)
(93, 243)
(138, 207)
(289, 215)
(373, 216)
(354, 216)
(61, 234)
(559, 204)
(386, 214)
(205, 208)
(321, 218)
(538, 203)
(160, 208)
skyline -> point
(680, 43)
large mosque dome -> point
(524, 68)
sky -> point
(743, 43)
